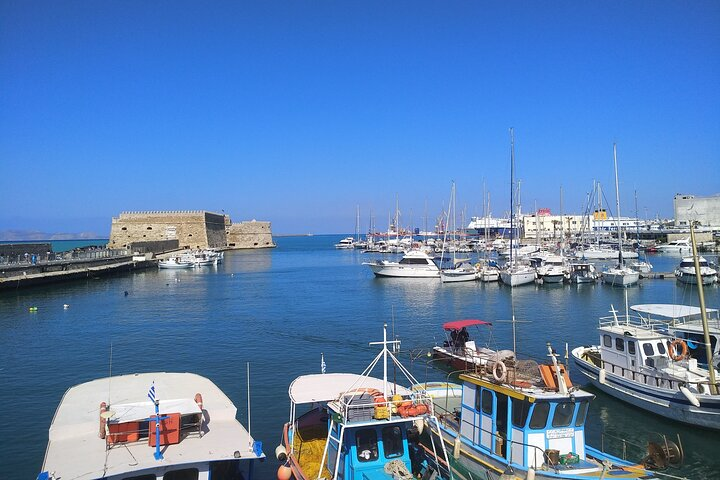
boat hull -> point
(553, 278)
(664, 402)
(621, 279)
(450, 276)
(691, 279)
(399, 271)
(515, 279)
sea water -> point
(279, 310)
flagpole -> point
(153, 398)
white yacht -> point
(346, 243)
(414, 264)
(676, 246)
(620, 276)
(640, 362)
(553, 269)
(516, 274)
(107, 429)
(685, 273)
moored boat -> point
(685, 272)
(358, 427)
(108, 429)
(175, 263)
(414, 264)
(462, 353)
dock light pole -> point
(703, 313)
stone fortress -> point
(193, 229)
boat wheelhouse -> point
(641, 362)
(357, 427)
(517, 424)
(583, 272)
(108, 429)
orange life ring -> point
(673, 349)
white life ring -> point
(499, 371)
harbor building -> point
(195, 229)
(553, 226)
(690, 208)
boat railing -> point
(650, 379)
(367, 404)
(633, 321)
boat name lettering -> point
(561, 433)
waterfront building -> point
(690, 208)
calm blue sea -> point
(279, 310)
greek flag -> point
(322, 363)
(151, 392)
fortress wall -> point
(252, 234)
(190, 228)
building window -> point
(149, 228)
(123, 228)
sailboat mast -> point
(512, 190)
(617, 203)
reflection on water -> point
(279, 310)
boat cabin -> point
(526, 428)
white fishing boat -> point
(640, 362)
(583, 272)
(619, 275)
(109, 429)
(685, 272)
(414, 264)
(461, 353)
(676, 246)
(176, 263)
(355, 427)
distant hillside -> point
(34, 235)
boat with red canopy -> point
(463, 353)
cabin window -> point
(520, 410)
(582, 413)
(607, 340)
(648, 349)
(184, 474)
(631, 347)
(619, 344)
(366, 442)
(486, 402)
(539, 415)
(149, 476)
(563, 414)
(661, 348)
(392, 442)
(226, 469)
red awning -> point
(458, 324)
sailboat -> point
(619, 275)
(641, 266)
(461, 270)
(487, 271)
(514, 273)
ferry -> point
(148, 426)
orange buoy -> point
(673, 349)
(284, 472)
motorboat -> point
(676, 246)
(641, 266)
(414, 264)
(640, 362)
(346, 243)
(176, 263)
(583, 272)
(148, 425)
(552, 269)
(461, 353)
(355, 427)
(685, 272)
(522, 420)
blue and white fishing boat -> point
(522, 422)
(645, 362)
(357, 427)
(109, 429)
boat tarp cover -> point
(325, 387)
(669, 310)
(133, 412)
(458, 324)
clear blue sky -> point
(296, 112)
